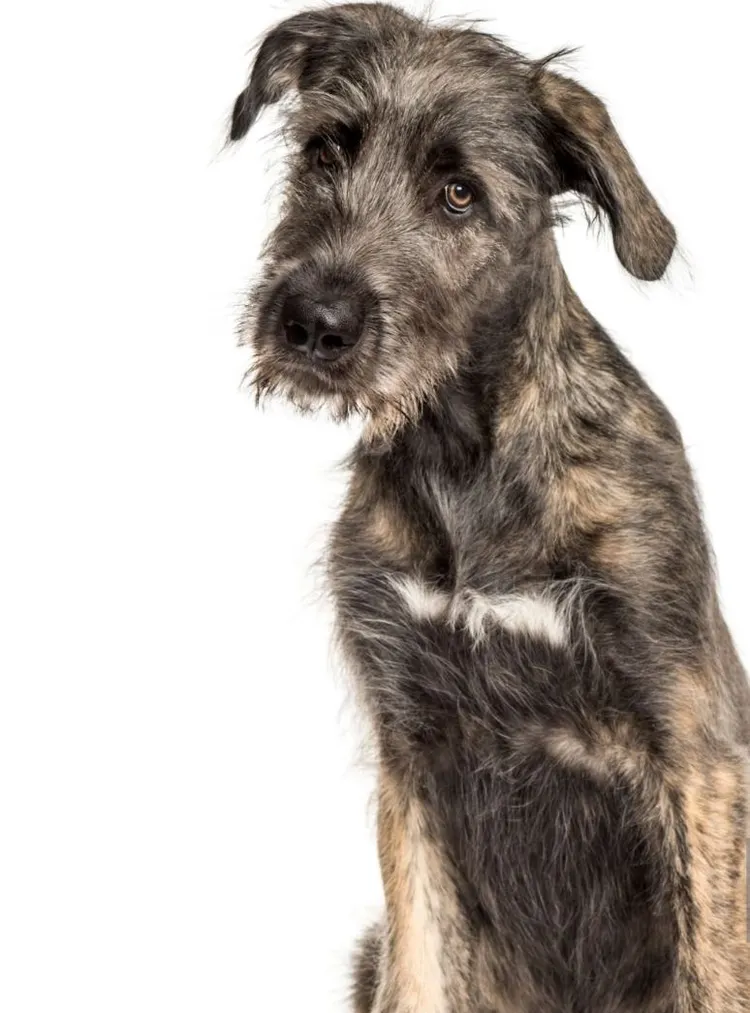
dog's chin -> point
(359, 383)
(309, 386)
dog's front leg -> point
(419, 972)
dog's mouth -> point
(326, 371)
(364, 380)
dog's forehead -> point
(431, 84)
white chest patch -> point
(535, 614)
(423, 601)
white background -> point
(184, 820)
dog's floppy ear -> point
(589, 157)
(299, 53)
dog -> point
(524, 589)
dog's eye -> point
(458, 198)
(327, 154)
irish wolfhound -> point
(523, 584)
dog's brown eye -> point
(458, 198)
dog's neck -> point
(537, 442)
(532, 346)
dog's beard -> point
(337, 390)
(271, 376)
(391, 401)
(380, 385)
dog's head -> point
(424, 161)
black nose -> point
(323, 329)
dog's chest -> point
(440, 656)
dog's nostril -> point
(296, 334)
(323, 329)
(332, 342)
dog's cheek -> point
(462, 255)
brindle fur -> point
(562, 824)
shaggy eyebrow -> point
(347, 135)
(444, 156)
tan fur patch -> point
(692, 708)
(621, 554)
(526, 407)
(421, 911)
(717, 843)
(586, 497)
(390, 533)
(604, 752)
